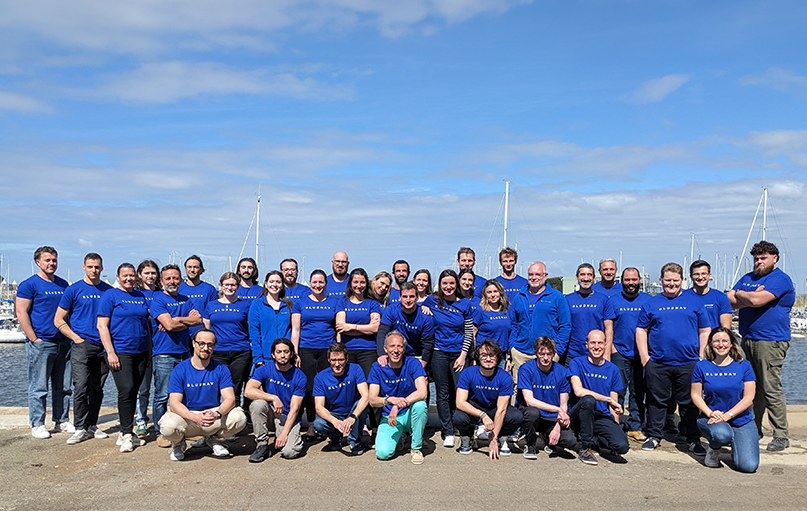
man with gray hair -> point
(607, 284)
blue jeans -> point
(743, 440)
(49, 361)
(324, 427)
(632, 374)
(162, 366)
(445, 386)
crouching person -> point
(201, 401)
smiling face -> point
(508, 264)
(631, 282)
(585, 277)
(492, 295)
(171, 279)
(245, 270)
(317, 284)
(229, 287)
(148, 276)
(400, 272)
(193, 268)
(701, 277)
(466, 261)
(608, 271)
(289, 270)
(448, 285)
(358, 284)
(340, 264)
(421, 281)
(721, 344)
(381, 286)
(274, 284)
(467, 282)
(126, 278)
(671, 283)
(409, 300)
(595, 343)
(394, 347)
(536, 276)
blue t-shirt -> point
(200, 388)
(334, 288)
(494, 326)
(45, 297)
(229, 322)
(588, 313)
(416, 327)
(616, 289)
(170, 343)
(340, 392)
(396, 382)
(149, 294)
(716, 304)
(626, 315)
(283, 384)
(81, 301)
(199, 297)
(297, 292)
(249, 293)
(512, 286)
(449, 323)
(394, 296)
(771, 322)
(483, 390)
(545, 387)
(317, 322)
(602, 379)
(128, 319)
(672, 328)
(479, 283)
(359, 314)
(723, 387)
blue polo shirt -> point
(200, 388)
(81, 301)
(340, 392)
(672, 328)
(545, 387)
(626, 315)
(771, 322)
(45, 297)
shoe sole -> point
(589, 462)
(465, 452)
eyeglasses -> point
(487, 355)
(206, 345)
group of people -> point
(508, 356)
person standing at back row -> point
(510, 281)
(248, 271)
(764, 298)
(466, 259)
(199, 293)
(294, 290)
(607, 284)
(716, 303)
(589, 309)
(337, 281)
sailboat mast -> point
(258, 226)
(506, 208)
(765, 214)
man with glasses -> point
(294, 290)
(337, 281)
(202, 401)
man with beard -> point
(337, 281)
(200, 293)
(588, 309)
(626, 307)
(510, 281)
(466, 259)
(400, 273)
(607, 284)
(764, 298)
(248, 271)
(716, 302)
(294, 290)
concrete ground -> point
(48, 474)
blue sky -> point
(387, 128)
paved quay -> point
(48, 474)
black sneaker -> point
(778, 444)
(333, 445)
(650, 444)
(529, 453)
(587, 457)
(697, 449)
(358, 450)
(261, 453)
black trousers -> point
(536, 424)
(597, 429)
(312, 361)
(668, 384)
(128, 379)
(240, 364)
(90, 372)
(366, 359)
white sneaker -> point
(127, 444)
(66, 427)
(178, 451)
(137, 442)
(504, 449)
(97, 433)
(40, 432)
(449, 441)
(481, 432)
(79, 436)
(218, 449)
(712, 459)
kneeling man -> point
(399, 387)
(201, 401)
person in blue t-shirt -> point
(543, 398)
(379, 288)
(248, 271)
(293, 289)
(716, 302)
(172, 314)
(510, 281)
(400, 273)
(670, 335)
(227, 318)
(337, 281)
(341, 397)
(626, 307)
(125, 331)
(607, 284)
(764, 298)
(468, 287)
(147, 281)
(269, 318)
(723, 387)
(406, 317)
(48, 350)
(77, 319)
(199, 293)
(595, 408)
(483, 396)
(277, 390)
(492, 319)
(589, 311)
(423, 283)
(453, 337)
(202, 401)
(466, 259)
(399, 389)
(313, 329)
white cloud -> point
(21, 103)
(791, 144)
(781, 79)
(653, 91)
(84, 243)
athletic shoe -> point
(404, 443)
(481, 432)
(636, 436)
(448, 441)
(417, 457)
(163, 442)
(178, 451)
(504, 449)
(333, 445)
(549, 449)
(778, 444)
(141, 430)
(356, 450)
(515, 436)
(127, 443)
(465, 445)
(219, 450)
(650, 444)
(40, 432)
(697, 449)
(529, 453)
(66, 427)
(587, 457)
(712, 459)
(199, 442)
(137, 442)
(79, 436)
(97, 433)
(261, 453)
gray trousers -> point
(767, 358)
(263, 415)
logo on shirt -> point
(585, 306)
(592, 375)
(340, 385)
(720, 373)
(279, 382)
(199, 385)
(673, 308)
(629, 309)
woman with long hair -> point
(380, 287)
(492, 319)
(423, 282)
(269, 318)
(147, 281)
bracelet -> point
(483, 415)
(219, 413)
(731, 415)
(386, 402)
(352, 416)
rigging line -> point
(532, 234)
(501, 204)
(247, 237)
(781, 232)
